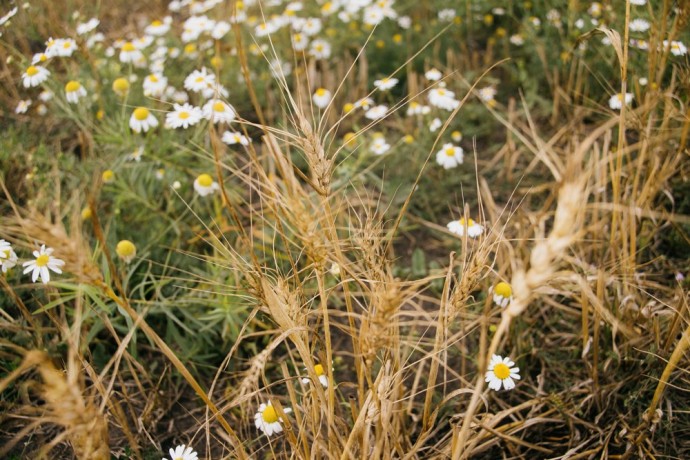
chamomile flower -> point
(319, 370)
(34, 76)
(22, 106)
(459, 227)
(449, 156)
(501, 372)
(300, 41)
(88, 26)
(321, 98)
(108, 176)
(379, 146)
(433, 74)
(617, 100)
(205, 185)
(182, 452)
(183, 116)
(443, 99)
(218, 111)
(126, 250)
(155, 85)
(199, 80)
(677, 48)
(74, 91)
(142, 120)
(320, 49)
(386, 83)
(42, 264)
(503, 294)
(158, 28)
(233, 138)
(8, 258)
(130, 53)
(64, 47)
(266, 419)
(377, 112)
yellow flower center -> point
(153, 78)
(318, 370)
(318, 47)
(108, 175)
(320, 92)
(269, 415)
(120, 85)
(204, 180)
(141, 113)
(450, 151)
(501, 371)
(469, 223)
(31, 71)
(67, 45)
(441, 92)
(42, 260)
(219, 107)
(503, 289)
(156, 23)
(128, 47)
(190, 48)
(72, 86)
(408, 139)
(125, 248)
(183, 115)
(620, 97)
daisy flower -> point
(8, 258)
(503, 294)
(433, 75)
(142, 120)
(199, 80)
(677, 48)
(183, 116)
(74, 91)
(232, 138)
(108, 176)
(218, 111)
(386, 83)
(321, 98)
(443, 99)
(182, 452)
(379, 146)
(44, 261)
(64, 47)
(205, 185)
(320, 49)
(130, 53)
(23, 106)
(456, 136)
(158, 28)
(266, 419)
(299, 41)
(459, 226)
(377, 112)
(8, 16)
(126, 250)
(86, 27)
(501, 372)
(318, 368)
(34, 76)
(449, 156)
(154, 85)
(616, 101)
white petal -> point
(508, 383)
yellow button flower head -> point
(108, 176)
(121, 86)
(126, 250)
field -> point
(347, 229)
